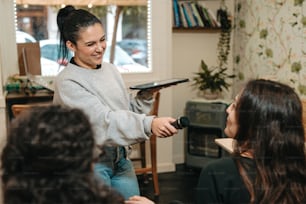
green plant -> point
(213, 80)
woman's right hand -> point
(161, 127)
(138, 200)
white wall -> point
(8, 57)
(7, 65)
(187, 55)
(188, 49)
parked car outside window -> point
(23, 37)
(136, 48)
(123, 61)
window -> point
(131, 52)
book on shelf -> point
(189, 13)
(207, 17)
(176, 14)
(193, 14)
(210, 16)
(184, 22)
(213, 18)
(186, 16)
(196, 14)
(202, 15)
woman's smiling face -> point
(90, 46)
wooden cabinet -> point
(38, 97)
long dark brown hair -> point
(269, 115)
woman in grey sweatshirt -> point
(98, 89)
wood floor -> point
(175, 187)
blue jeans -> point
(120, 175)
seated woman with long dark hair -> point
(268, 164)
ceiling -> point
(84, 2)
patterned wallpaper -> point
(270, 41)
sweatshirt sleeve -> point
(142, 102)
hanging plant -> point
(223, 47)
(214, 79)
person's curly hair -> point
(48, 159)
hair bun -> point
(62, 14)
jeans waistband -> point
(112, 154)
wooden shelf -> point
(195, 30)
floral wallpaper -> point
(270, 41)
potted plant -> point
(212, 81)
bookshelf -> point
(190, 16)
(195, 30)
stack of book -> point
(191, 14)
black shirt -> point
(220, 182)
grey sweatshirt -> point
(117, 118)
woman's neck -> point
(247, 154)
(72, 61)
